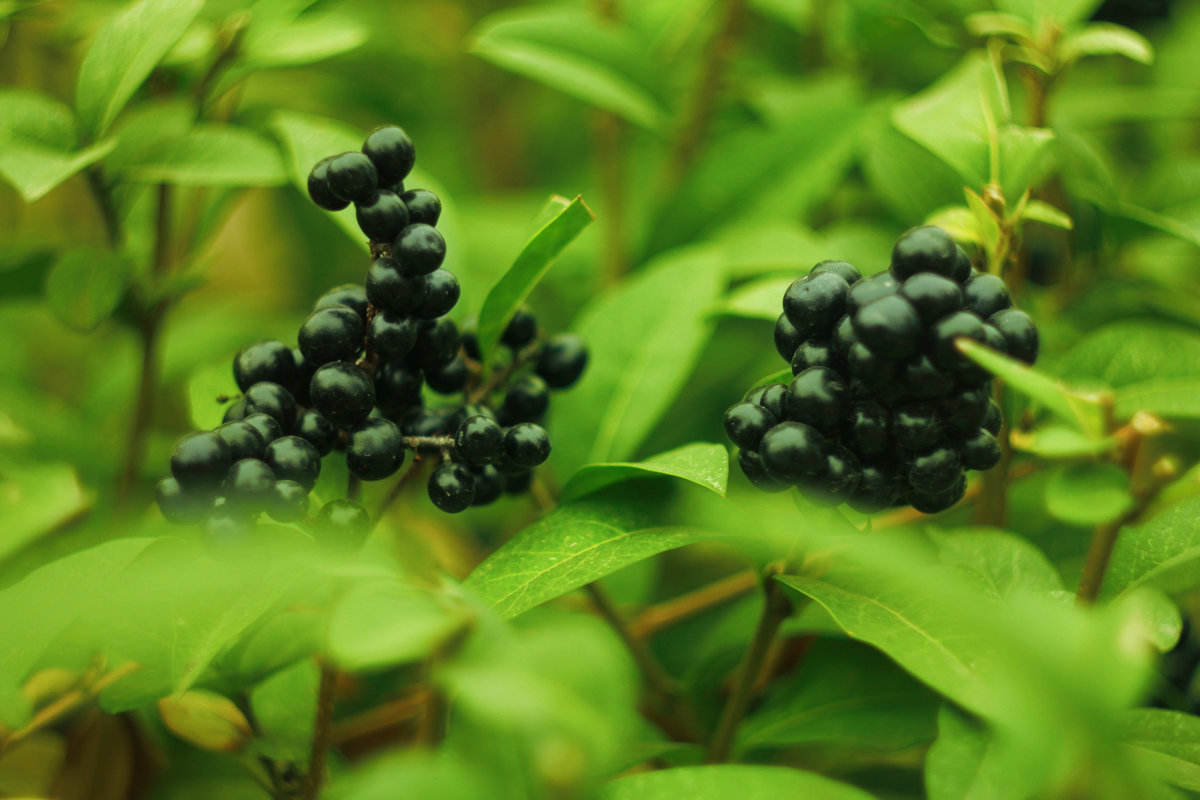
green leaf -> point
(1106, 38)
(958, 221)
(1174, 398)
(208, 155)
(124, 52)
(701, 463)
(1006, 563)
(990, 23)
(85, 286)
(1157, 620)
(205, 385)
(966, 762)
(1186, 230)
(987, 227)
(597, 61)
(574, 545)
(849, 695)
(1134, 351)
(36, 499)
(530, 266)
(1088, 493)
(384, 623)
(721, 782)
(1060, 442)
(642, 351)
(38, 138)
(761, 299)
(1167, 743)
(1026, 157)
(1041, 211)
(1083, 412)
(285, 710)
(407, 774)
(1039, 11)
(910, 180)
(303, 41)
(1163, 552)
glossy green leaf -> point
(1005, 562)
(1163, 552)
(991, 23)
(1167, 743)
(38, 139)
(1103, 39)
(1026, 158)
(384, 623)
(1157, 620)
(1041, 211)
(530, 266)
(303, 41)
(965, 761)
(642, 351)
(910, 180)
(721, 782)
(407, 774)
(85, 286)
(1134, 351)
(124, 52)
(599, 62)
(1174, 398)
(574, 545)
(702, 463)
(1088, 493)
(209, 155)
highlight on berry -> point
(882, 409)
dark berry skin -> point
(814, 303)
(916, 426)
(517, 482)
(993, 419)
(419, 249)
(381, 216)
(489, 485)
(351, 295)
(520, 330)
(933, 296)
(526, 445)
(773, 398)
(479, 440)
(980, 451)
(288, 502)
(452, 488)
(922, 380)
(787, 338)
(838, 480)
(334, 333)
(441, 294)
(818, 397)
(423, 422)
(199, 461)
(389, 290)
(870, 289)
(294, 459)
(924, 249)
(876, 491)
(391, 151)
(844, 338)
(962, 267)
(526, 399)
(964, 410)
(423, 206)
(1019, 332)
(319, 431)
(935, 470)
(746, 423)
(343, 392)
(994, 339)
(265, 425)
(235, 412)
(375, 450)
(812, 353)
(562, 360)
(933, 503)
(872, 369)
(302, 377)
(397, 386)
(843, 269)
(448, 379)
(470, 344)
(352, 177)
(243, 439)
(266, 360)
(946, 331)
(179, 506)
(985, 294)
(756, 472)
(274, 401)
(468, 410)
(437, 343)
(792, 452)
(868, 428)
(345, 519)
(391, 334)
(889, 326)
(318, 187)
(249, 484)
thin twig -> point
(67, 703)
(322, 731)
(381, 718)
(501, 377)
(678, 609)
(657, 677)
(395, 492)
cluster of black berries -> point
(883, 409)
(355, 380)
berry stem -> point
(419, 443)
(776, 608)
(396, 491)
(354, 488)
(322, 731)
(498, 379)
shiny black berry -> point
(288, 502)
(343, 392)
(397, 386)
(375, 450)
(345, 519)
(787, 338)
(876, 491)
(390, 290)
(249, 484)
(818, 397)
(870, 368)
(746, 423)
(274, 401)
(199, 461)
(993, 419)
(469, 339)
(933, 296)
(916, 426)
(437, 343)
(333, 333)
(526, 400)
(562, 360)
(773, 398)
(423, 422)
(178, 505)
(812, 353)
(944, 334)
(843, 339)
(962, 267)
(236, 411)
(479, 440)
(303, 375)
(843, 269)
(294, 459)
(924, 249)
(923, 380)
(889, 326)
(837, 480)
(934, 502)
(391, 151)
(441, 294)
(792, 452)
(870, 289)
(520, 330)
(391, 334)
(980, 451)
(423, 206)
(756, 472)
(265, 425)
(518, 481)
(526, 445)
(419, 249)
(266, 360)
(449, 378)
(352, 177)
(319, 431)
(935, 470)
(1019, 332)
(964, 410)
(814, 303)
(244, 440)
(381, 216)
(868, 428)
(351, 295)
(319, 190)
(985, 294)
(489, 485)
(452, 488)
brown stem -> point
(354, 488)
(657, 678)
(676, 610)
(501, 377)
(396, 491)
(322, 731)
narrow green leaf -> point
(1174, 398)
(910, 180)
(1041, 211)
(529, 267)
(1060, 442)
(1185, 230)
(209, 155)
(1103, 39)
(958, 221)
(85, 286)
(124, 52)
(303, 41)
(1167, 743)
(1156, 618)
(701, 463)
(1026, 158)
(991, 23)
(721, 782)
(1088, 493)
(987, 227)
(1163, 552)
(285, 711)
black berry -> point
(962, 267)
(923, 380)
(932, 503)
(392, 152)
(288, 502)
(243, 439)
(423, 206)
(980, 451)
(352, 177)
(375, 450)
(814, 303)
(343, 392)
(381, 216)
(868, 428)
(520, 330)
(756, 472)
(319, 190)
(946, 331)
(818, 397)
(199, 461)
(935, 470)
(423, 422)
(517, 482)
(452, 488)
(333, 333)
(843, 269)
(294, 459)
(562, 360)
(787, 338)
(924, 249)
(180, 506)
(526, 400)
(448, 379)
(391, 334)
(870, 289)
(274, 401)
(479, 440)
(933, 296)
(351, 295)
(993, 419)
(249, 484)
(441, 294)
(889, 326)
(489, 485)
(236, 411)
(526, 444)
(397, 386)
(266, 360)
(746, 423)
(265, 425)
(437, 343)
(876, 491)
(1019, 332)
(390, 290)
(320, 432)
(965, 410)
(916, 426)
(792, 452)
(838, 479)
(344, 518)
(773, 398)
(867, 366)
(985, 294)
(812, 353)
(419, 249)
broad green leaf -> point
(1106, 38)
(209, 155)
(124, 52)
(85, 286)
(1041, 211)
(1134, 351)
(574, 545)
(36, 499)
(965, 761)
(1174, 398)
(1157, 620)
(42, 605)
(1088, 493)
(721, 782)
(1082, 411)
(1026, 157)
(384, 623)
(206, 720)
(530, 266)
(1040, 11)
(1167, 743)
(845, 694)
(597, 61)
(761, 299)
(38, 140)
(958, 221)
(204, 386)
(1006, 562)
(304, 41)
(642, 350)
(416, 774)
(285, 710)
(701, 463)
(1163, 552)
(910, 180)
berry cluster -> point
(355, 380)
(883, 409)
